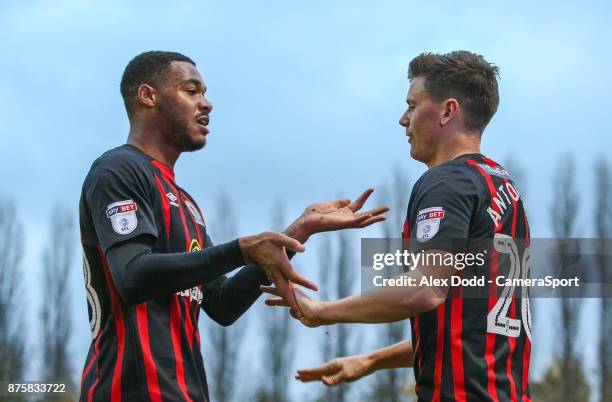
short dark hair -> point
(462, 75)
(147, 68)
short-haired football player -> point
(149, 263)
(462, 348)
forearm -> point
(140, 275)
(421, 293)
(395, 356)
(381, 305)
(226, 299)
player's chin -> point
(413, 153)
(199, 143)
(196, 141)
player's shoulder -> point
(124, 159)
(124, 163)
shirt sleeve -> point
(122, 206)
(226, 299)
(140, 275)
(443, 212)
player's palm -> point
(341, 214)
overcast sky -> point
(306, 99)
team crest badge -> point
(122, 215)
(195, 213)
(428, 223)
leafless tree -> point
(388, 383)
(336, 277)
(12, 343)
(344, 287)
(56, 317)
(325, 280)
(278, 348)
(225, 342)
(603, 208)
(563, 214)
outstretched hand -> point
(340, 214)
(268, 251)
(307, 311)
(337, 371)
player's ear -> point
(450, 108)
(147, 95)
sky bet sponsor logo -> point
(120, 208)
(428, 222)
(122, 215)
(435, 214)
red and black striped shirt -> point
(476, 345)
(148, 351)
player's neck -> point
(464, 144)
(151, 141)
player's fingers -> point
(286, 292)
(360, 217)
(377, 211)
(294, 276)
(281, 285)
(277, 302)
(270, 290)
(333, 380)
(315, 373)
(306, 378)
(358, 203)
(295, 310)
(300, 280)
(371, 221)
(324, 369)
(282, 240)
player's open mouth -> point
(203, 122)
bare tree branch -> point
(388, 383)
(12, 343)
(55, 311)
(279, 344)
(603, 208)
(563, 213)
(225, 342)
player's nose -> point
(205, 104)
(404, 121)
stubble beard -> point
(178, 131)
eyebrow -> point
(193, 81)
